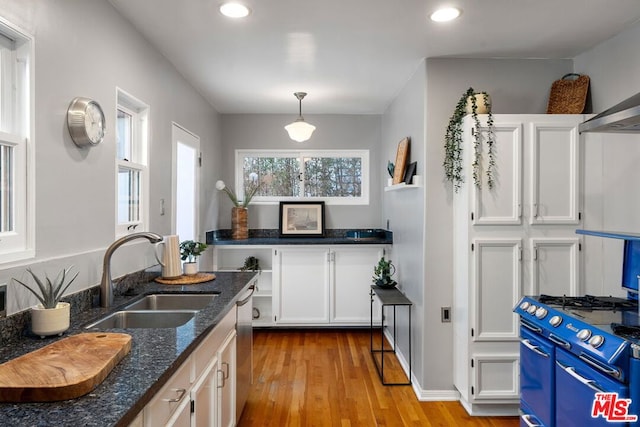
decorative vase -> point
(50, 321)
(483, 104)
(190, 268)
(239, 223)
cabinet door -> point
(226, 382)
(496, 376)
(555, 266)
(302, 282)
(351, 272)
(204, 397)
(555, 174)
(501, 204)
(496, 288)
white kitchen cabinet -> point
(202, 390)
(319, 285)
(308, 285)
(516, 238)
(231, 258)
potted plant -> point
(474, 103)
(239, 212)
(189, 252)
(51, 316)
(251, 263)
(382, 274)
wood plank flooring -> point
(327, 378)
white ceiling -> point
(354, 56)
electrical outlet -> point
(3, 299)
(445, 314)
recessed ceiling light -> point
(234, 10)
(445, 14)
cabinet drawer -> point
(208, 348)
(169, 398)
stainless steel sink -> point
(144, 319)
(172, 302)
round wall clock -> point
(85, 120)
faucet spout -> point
(106, 284)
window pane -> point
(6, 189)
(332, 177)
(124, 135)
(128, 195)
(279, 175)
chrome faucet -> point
(106, 285)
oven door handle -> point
(572, 371)
(527, 420)
(562, 343)
(613, 372)
(534, 348)
(530, 326)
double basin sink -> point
(155, 311)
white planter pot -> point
(190, 268)
(50, 321)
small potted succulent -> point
(382, 274)
(51, 316)
(190, 251)
(251, 263)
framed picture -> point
(301, 219)
(402, 155)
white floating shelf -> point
(403, 186)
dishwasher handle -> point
(240, 303)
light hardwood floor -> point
(327, 378)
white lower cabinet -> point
(324, 285)
(202, 391)
(308, 285)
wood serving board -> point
(187, 279)
(66, 369)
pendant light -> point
(300, 130)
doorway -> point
(185, 182)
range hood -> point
(621, 118)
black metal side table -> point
(388, 297)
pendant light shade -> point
(300, 130)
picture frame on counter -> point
(302, 219)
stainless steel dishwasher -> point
(244, 350)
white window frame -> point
(140, 113)
(17, 114)
(363, 154)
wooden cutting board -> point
(66, 369)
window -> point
(337, 177)
(131, 162)
(17, 187)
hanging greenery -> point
(453, 166)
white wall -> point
(85, 48)
(611, 185)
(266, 131)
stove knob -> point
(584, 334)
(525, 305)
(596, 341)
(541, 312)
(532, 309)
(555, 321)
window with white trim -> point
(132, 130)
(17, 187)
(339, 177)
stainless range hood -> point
(621, 118)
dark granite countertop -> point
(155, 355)
(270, 237)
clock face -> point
(94, 123)
(86, 122)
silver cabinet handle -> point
(180, 391)
(589, 383)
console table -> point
(388, 297)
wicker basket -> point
(568, 96)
